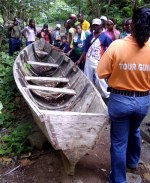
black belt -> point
(129, 93)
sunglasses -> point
(95, 25)
(109, 24)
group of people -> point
(30, 33)
(118, 64)
(15, 35)
(89, 40)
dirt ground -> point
(45, 166)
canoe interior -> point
(75, 94)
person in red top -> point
(126, 65)
(45, 33)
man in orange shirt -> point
(126, 65)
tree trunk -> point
(99, 8)
(91, 7)
(134, 5)
(5, 19)
(95, 8)
(107, 9)
(4, 14)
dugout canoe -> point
(64, 103)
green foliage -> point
(58, 11)
(8, 90)
(3, 35)
(15, 143)
(23, 9)
(1, 107)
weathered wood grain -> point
(50, 89)
(42, 64)
(34, 78)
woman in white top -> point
(30, 32)
(71, 32)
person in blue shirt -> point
(64, 45)
(95, 45)
(78, 44)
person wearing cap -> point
(94, 47)
(111, 31)
(104, 22)
(84, 23)
(74, 19)
(126, 65)
(56, 38)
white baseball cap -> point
(58, 26)
(103, 17)
(96, 21)
(73, 15)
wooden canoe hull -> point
(73, 130)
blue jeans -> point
(126, 114)
(14, 45)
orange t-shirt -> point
(126, 66)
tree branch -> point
(107, 9)
(146, 5)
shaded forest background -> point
(52, 10)
(48, 11)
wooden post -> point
(69, 168)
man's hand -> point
(77, 62)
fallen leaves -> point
(26, 162)
(5, 160)
(146, 176)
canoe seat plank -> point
(51, 89)
(33, 78)
(41, 52)
(42, 64)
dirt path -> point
(94, 167)
(45, 166)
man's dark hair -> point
(64, 37)
(45, 26)
(126, 22)
(80, 14)
(141, 26)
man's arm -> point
(104, 68)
